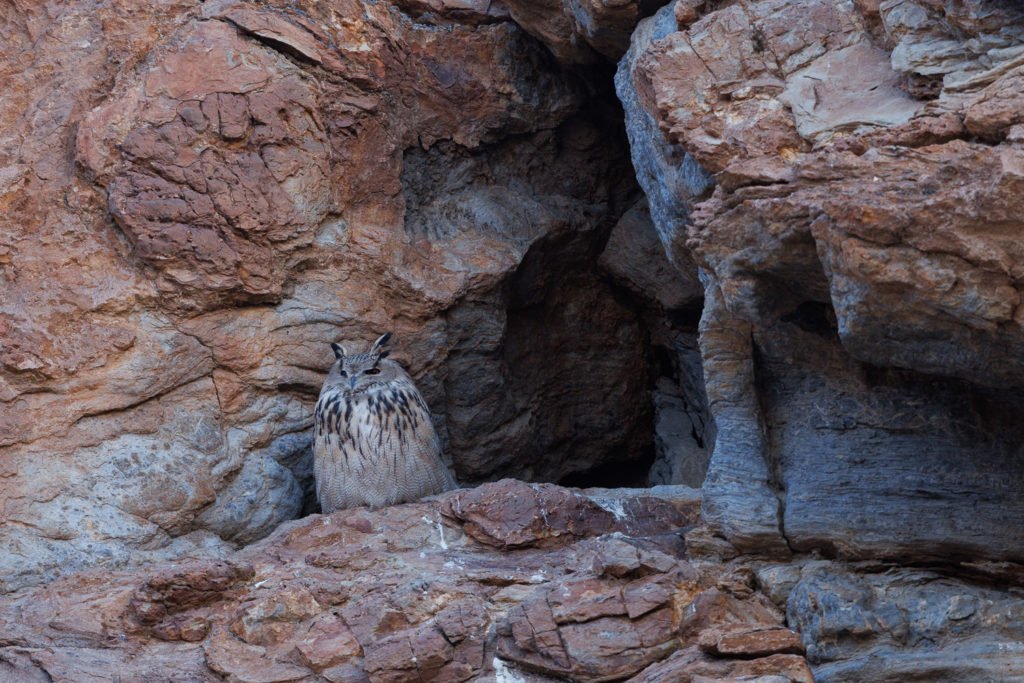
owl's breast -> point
(395, 413)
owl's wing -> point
(332, 446)
(427, 472)
(425, 447)
(326, 459)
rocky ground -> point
(507, 582)
(770, 249)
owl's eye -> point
(373, 371)
(343, 373)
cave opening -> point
(580, 366)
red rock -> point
(269, 619)
(511, 514)
(231, 657)
(742, 641)
(182, 588)
(692, 666)
(640, 597)
(714, 608)
(416, 610)
(201, 196)
(585, 600)
(328, 643)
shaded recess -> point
(562, 369)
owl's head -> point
(362, 372)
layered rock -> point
(860, 623)
(861, 329)
(580, 585)
(206, 194)
(861, 337)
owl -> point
(373, 441)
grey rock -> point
(907, 625)
(670, 178)
(740, 499)
(635, 256)
(886, 463)
(679, 457)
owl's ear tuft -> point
(380, 342)
(339, 350)
(383, 354)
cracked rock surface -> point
(196, 198)
(862, 332)
(588, 585)
(845, 177)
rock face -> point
(205, 194)
(590, 586)
(669, 300)
(856, 229)
(861, 336)
(812, 311)
(904, 624)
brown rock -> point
(269, 620)
(203, 195)
(597, 628)
(241, 662)
(855, 262)
(328, 643)
(692, 666)
(713, 608)
(579, 32)
(164, 602)
(635, 256)
(741, 641)
(511, 514)
(418, 610)
(585, 600)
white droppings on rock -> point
(440, 530)
(504, 674)
(612, 505)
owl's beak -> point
(352, 382)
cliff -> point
(769, 249)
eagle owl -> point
(373, 441)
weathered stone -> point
(510, 514)
(185, 587)
(671, 179)
(580, 31)
(860, 333)
(680, 457)
(427, 602)
(903, 622)
(238, 661)
(181, 239)
(692, 666)
(635, 256)
(741, 641)
(740, 502)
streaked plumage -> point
(373, 440)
